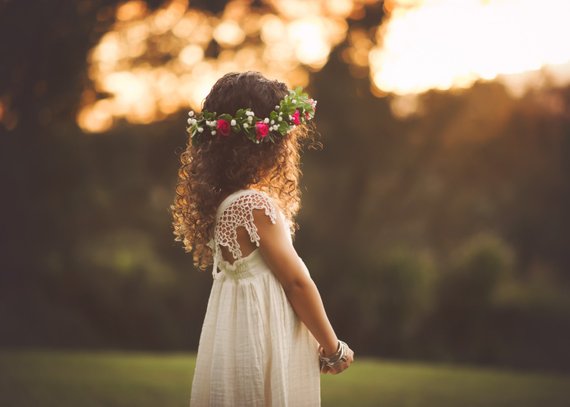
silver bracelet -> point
(337, 357)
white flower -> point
(272, 121)
(266, 120)
(249, 119)
(279, 119)
(276, 107)
(245, 125)
(294, 101)
(213, 132)
(191, 113)
(233, 122)
(249, 113)
(191, 121)
(200, 129)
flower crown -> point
(294, 109)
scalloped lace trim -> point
(240, 213)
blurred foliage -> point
(395, 294)
(443, 236)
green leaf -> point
(283, 127)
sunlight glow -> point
(444, 44)
(152, 64)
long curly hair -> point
(219, 166)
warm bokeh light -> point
(152, 64)
(8, 117)
(443, 44)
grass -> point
(117, 379)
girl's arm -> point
(283, 260)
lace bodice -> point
(235, 211)
(240, 213)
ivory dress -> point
(253, 349)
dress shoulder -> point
(239, 212)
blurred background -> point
(435, 220)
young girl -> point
(266, 336)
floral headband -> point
(294, 109)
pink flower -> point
(223, 127)
(261, 129)
(296, 118)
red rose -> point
(296, 118)
(223, 127)
(261, 129)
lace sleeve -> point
(240, 213)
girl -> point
(266, 335)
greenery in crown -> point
(293, 110)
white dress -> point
(253, 349)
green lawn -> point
(110, 379)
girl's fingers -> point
(341, 367)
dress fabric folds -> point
(253, 349)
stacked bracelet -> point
(338, 356)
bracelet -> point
(338, 356)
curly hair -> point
(217, 167)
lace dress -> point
(253, 349)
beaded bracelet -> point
(337, 357)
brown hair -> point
(218, 166)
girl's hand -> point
(341, 365)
